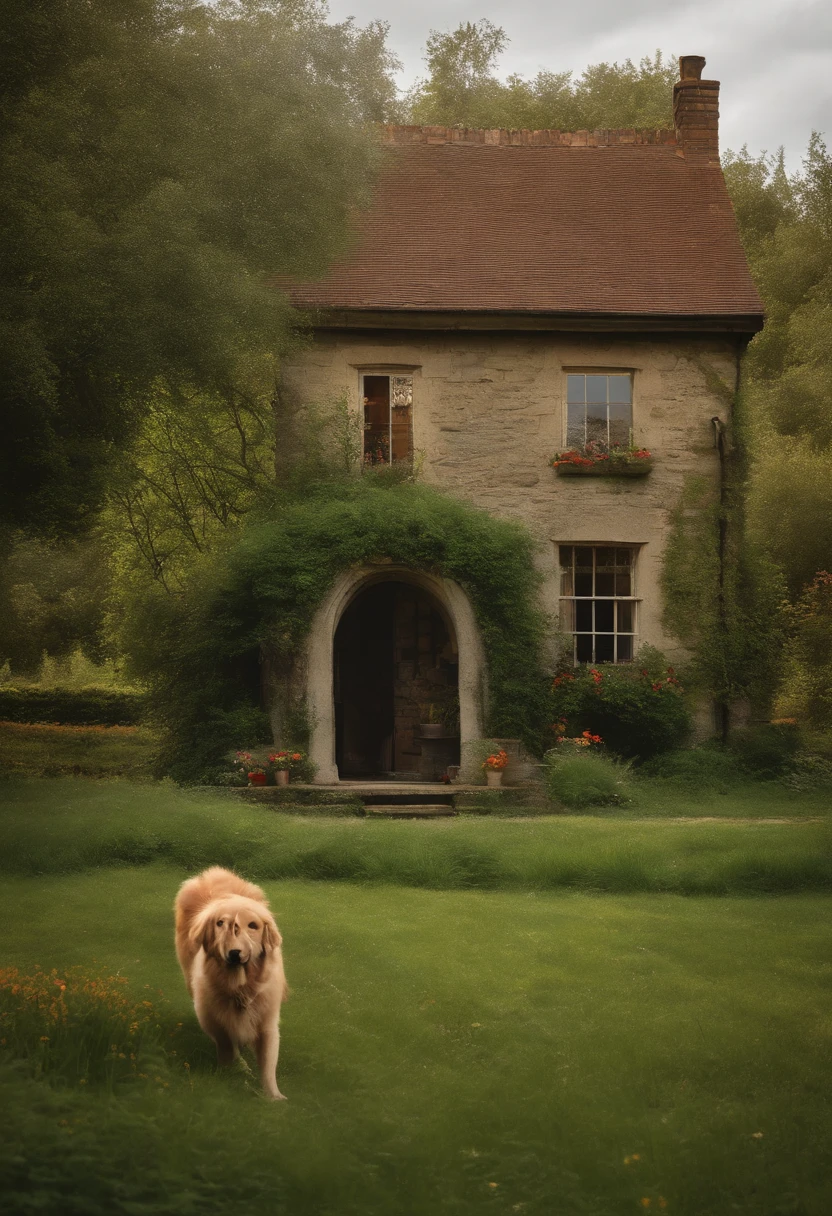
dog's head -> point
(236, 931)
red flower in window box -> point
(603, 460)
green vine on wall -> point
(196, 651)
(721, 595)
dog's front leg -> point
(226, 1047)
(267, 1048)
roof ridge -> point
(395, 133)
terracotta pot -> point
(281, 776)
(257, 778)
(431, 730)
(494, 777)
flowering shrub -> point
(596, 454)
(496, 762)
(584, 739)
(79, 1025)
(638, 709)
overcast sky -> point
(773, 57)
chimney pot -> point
(690, 67)
(696, 110)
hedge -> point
(88, 707)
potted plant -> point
(257, 776)
(597, 459)
(494, 765)
(279, 767)
(432, 725)
(284, 764)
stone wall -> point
(489, 410)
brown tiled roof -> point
(602, 223)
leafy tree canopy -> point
(159, 159)
(786, 224)
(462, 88)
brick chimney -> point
(696, 110)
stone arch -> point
(452, 603)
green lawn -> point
(437, 1043)
(62, 826)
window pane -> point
(620, 424)
(604, 648)
(620, 389)
(596, 389)
(619, 434)
(583, 648)
(596, 430)
(583, 557)
(605, 558)
(583, 616)
(604, 584)
(625, 617)
(604, 615)
(625, 650)
(567, 582)
(575, 425)
(567, 616)
(583, 583)
(565, 555)
(575, 389)
(622, 584)
(623, 557)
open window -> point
(388, 421)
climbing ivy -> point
(199, 652)
(722, 595)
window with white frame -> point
(599, 408)
(598, 603)
(388, 430)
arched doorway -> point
(395, 666)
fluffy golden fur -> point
(229, 949)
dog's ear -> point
(203, 934)
(271, 935)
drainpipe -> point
(721, 444)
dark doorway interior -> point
(396, 665)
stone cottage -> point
(510, 295)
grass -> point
(84, 751)
(505, 1052)
(67, 826)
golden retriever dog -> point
(229, 949)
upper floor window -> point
(388, 429)
(599, 408)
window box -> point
(599, 460)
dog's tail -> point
(196, 894)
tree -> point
(162, 164)
(462, 88)
(786, 224)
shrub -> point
(710, 767)
(581, 779)
(767, 750)
(638, 710)
(200, 652)
(88, 707)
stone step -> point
(411, 810)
